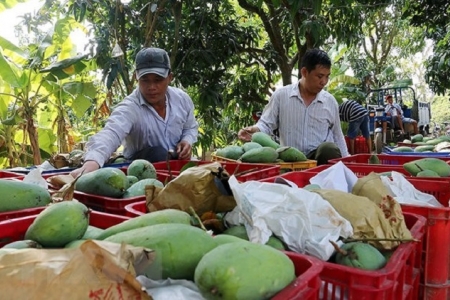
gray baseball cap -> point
(152, 60)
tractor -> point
(384, 133)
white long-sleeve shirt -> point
(137, 125)
(302, 127)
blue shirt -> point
(300, 126)
(136, 124)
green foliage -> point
(432, 16)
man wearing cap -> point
(153, 120)
(395, 111)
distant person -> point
(357, 118)
(154, 119)
(396, 113)
(305, 116)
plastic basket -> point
(294, 166)
(385, 159)
(242, 171)
(307, 284)
(399, 279)
(136, 209)
(361, 170)
(4, 174)
(435, 276)
(15, 229)
(113, 205)
(7, 215)
(389, 150)
(360, 144)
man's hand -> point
(184, 150)
(245, 134)
(87, 167)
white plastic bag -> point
(170, 289)
(302, 219)
(35, 177)
(406, 193)
(337, 177)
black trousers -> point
(154, 154)
(324, 152)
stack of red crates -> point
(399, 279)
(435, 275)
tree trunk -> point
(34, 141)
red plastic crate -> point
(307, 284)
(113, 205)
(4, 174)
(385, 159)
(136, 209)
(242, 171)
(399, 279)
(435, 275)
(360, 144)
(15, 229)
(362, 170)
(7, 215)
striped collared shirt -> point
(304, 128)
(351, 110)
(137, 125)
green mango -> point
(264, 140)
(23, 244)
(290, 154)
(59, 224)
(92, 233)
(429, 163)
(21, 195)
(260, 155)
(138, 189)
(132, 180)
(250, 145)
(243, 271)
(109, 182)
(374, 160)
(240, 232)
(360, 255)
(148, 219)
(142, 169)
(230, 151)
(178, 248)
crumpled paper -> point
(196, 187)
(95, 270)
(336, 177)
(405, 193)
(302, 219)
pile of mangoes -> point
(232, 268)
(261, 149)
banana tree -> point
(33, 77)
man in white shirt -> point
(395, 111)
(306, 116)
(153, 120)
